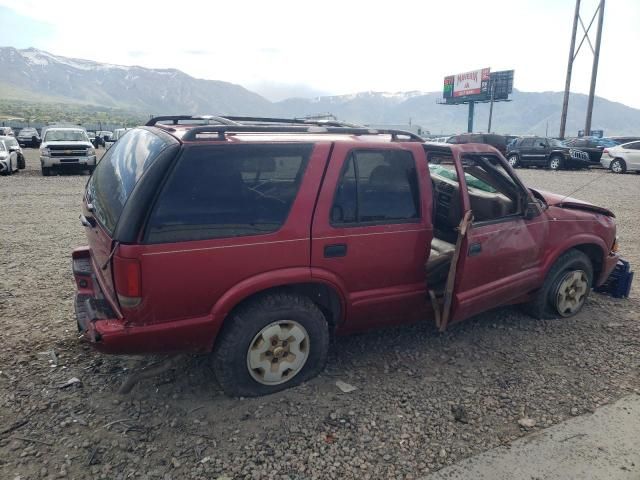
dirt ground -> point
(423, 400)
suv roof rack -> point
(290, 121)
(223, 130)
(175, 119)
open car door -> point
(500, 237)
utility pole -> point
(493, 91)
(472, 105)
(567, 83)
(573, 53)
(594, 70)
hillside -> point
(36, 75)
(31, 77)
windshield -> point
(65, 136)
(556, 143)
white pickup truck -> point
(66, 148)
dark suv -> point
(547, 153)
(593, 146)
(256, 242)
(497, 141)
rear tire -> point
(565, 289)
(618, 166)
(514, 161)
(556, 162)
(274, 342)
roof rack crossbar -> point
(290, 121)
(175, 119)
(222, 130)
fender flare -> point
(266, 281)
(573, 242)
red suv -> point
(258, 241)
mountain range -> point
(33, 75)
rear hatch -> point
(108, 190)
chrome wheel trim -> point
(571, 292)
(513, 161)
(554, 164)
(278, 352)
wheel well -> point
(595, 254)
(325, 298)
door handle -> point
(335, 250)
(474, 249)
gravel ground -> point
(423, 400)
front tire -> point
(21, 162)
(274, 342)
(618, 166)
(514, 161)
(46, 171)
(555, 163)
(565, 289)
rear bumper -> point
(605, 161)
(99, 325)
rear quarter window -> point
(119, 171)
(220, 191)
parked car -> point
(621, 140)
(104, 135)
(622, 158)
(11, 157)
(257, 242)
(593, 146)
(29, 137)
(117, 133)
(7, 132)
(496, 141)
(66, 148)
(546, 152)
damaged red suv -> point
(256, 241)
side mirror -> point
(541, 145)
(15, 148)
(532, 210)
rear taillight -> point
(128, 281)
(605, 151)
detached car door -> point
(372, 230)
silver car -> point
(622, 158)
(11, 158)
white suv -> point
(66, 148)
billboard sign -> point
(475, 82)
(477, 86)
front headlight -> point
(91, 151)
(45, 152)
(3, 155)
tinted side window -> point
(527, 142)
(377, 186)
(228, 191)
(633, 146)
(118, 172)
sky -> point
(302, 48)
